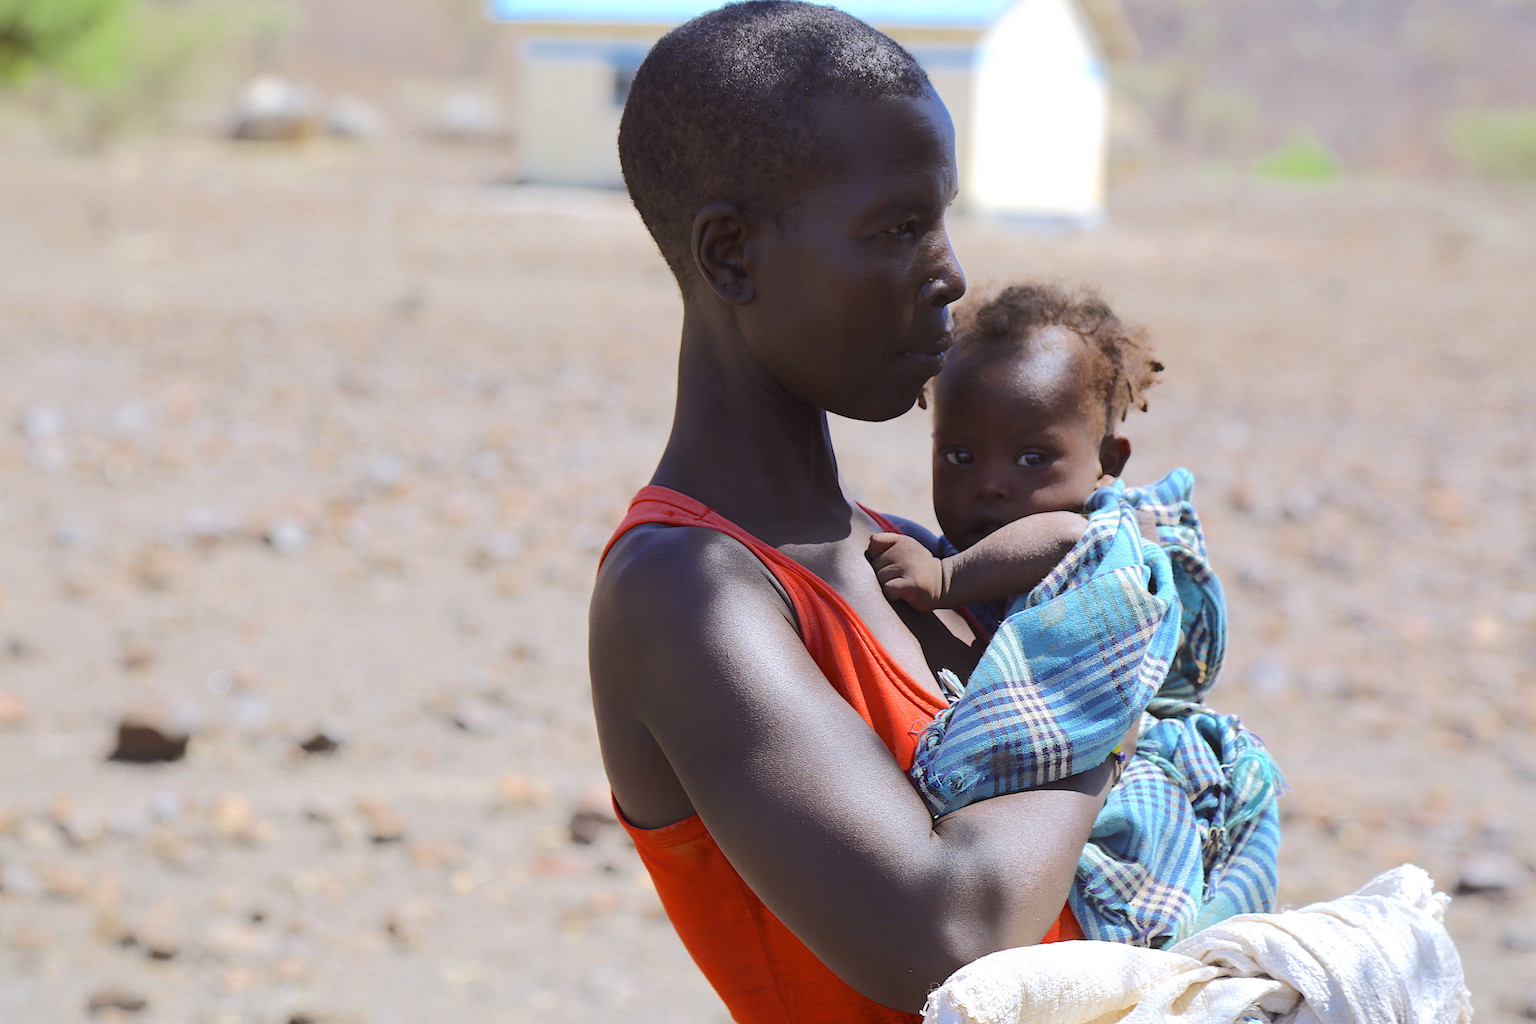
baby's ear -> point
(1114, 453)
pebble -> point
(383, 823)
(479, 717)
(230, 939)
(145, 742)
(80, 827)
(235, 819)
(468, 116)
(115, 998)
(407, 924)
(287, 537)
(158, 568)
(60, 881)
(273, 109)
(591, 819)
(1520, 938)
(18, 878)
(137, 655)
(157, 936)
(348, 117)
(322, 741)
(1268, 676)
(516, 791)
(13, 710)
(1490, 871)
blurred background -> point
(315, 414)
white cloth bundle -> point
(1379, 956)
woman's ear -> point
(1114, 453)
(720, 234)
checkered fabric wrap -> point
(1073, 664)
(1202, 605)
(1189, 837)
(1191, 834)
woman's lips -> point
(931, 357)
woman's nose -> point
(946, 281)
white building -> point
(1025, 81)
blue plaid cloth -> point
(1073, 664)
(1190, 835)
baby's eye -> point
(1032, 460)
(957, 457)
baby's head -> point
(1026, 408)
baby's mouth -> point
(981, 529)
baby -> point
(1103, 607)
(1024, 417)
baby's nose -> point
(991, 485)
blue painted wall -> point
(959, 13)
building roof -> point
(956, 13)
(1107, 16)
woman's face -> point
(852, 284)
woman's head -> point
(795, 167)
(725, 107)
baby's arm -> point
(1012, 560)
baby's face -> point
(1013, 436)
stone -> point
(477, 716)
(137, 655)
(60, 881)
(591, 819)
(1490, 871)
(382, 823)
(234, 818)
(116, 998)
(140, 741)
(158, 568)
(13, 710)
(516, 791)
(1520, 937)
(287, 537)
(408, 923)
(273, 109)
(348, 117)
(322, 741)
(468, 116)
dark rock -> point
(321, 742)
(592, 818)
(140, 742)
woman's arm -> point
(707, 700)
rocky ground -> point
(307, 456)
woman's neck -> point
(755, 454)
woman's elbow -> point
(902, 978)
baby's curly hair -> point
(1123, 364)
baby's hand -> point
(907, 571)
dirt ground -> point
(317, 448)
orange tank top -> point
(762, 972)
